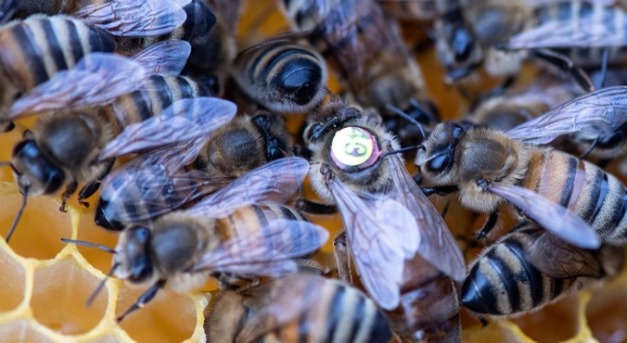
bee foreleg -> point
(143, 299)
(342, 258)
(487, 228)
(308, 206)
(69, 190)
(92, 186)
(567, 65)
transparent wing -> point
(591, 30)
(97, 80)
(267, 254)
(276, 181)
(154, 184)
(437, 244)
(549, 215)
(135, 18)
(7, 10)
(167, 57)
(184, 120)
(273, 304)
(591, 115)
(379, 230)
(556, 258)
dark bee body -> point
(185, 248)
(195, 29)
(238, 147)
(469, 158)
(246, 143)
(282, 76)
(320, 310)
(367, 49)
(501, 282)
(420, 318)
(352, 173)
(76, 153)
(38, 47)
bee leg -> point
(92, 186)
(484, 322)
(312, 207)
(487, 228)
(439, 190)
(342, 258)
(69, 190)
(143, 299)
(567, 65)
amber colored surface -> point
(44, 283)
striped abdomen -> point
(594, 195)
(429, 309)
(581, 13)
(282, 76)
(502, 283)
(249, 220)
(156, 94)
(341, 315)
(33, 50)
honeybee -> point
(65, 147)
(503, 283)
(366, 48)
(281, 75)
(296, 308)
(393, 231)
(231, 151)
(583, 30)
(37, 48)
(241, 229)
(489, 167)
(457, 48)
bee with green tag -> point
(397, 238)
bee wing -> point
(7, 10)
(591, 30)
(592, 114)
(166, 57)
(275, 181)
(278, 303)
(380, 233)
(437, 244)
(184, 120)
(135, 18)
(269, 253)
(556, 258)
(153, 184)
(97, 80)
(551, 216)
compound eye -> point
(440, 162)
(457, 131)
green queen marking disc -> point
(352, 146)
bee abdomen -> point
(281, 76)
(38, 47)
(502, 282)
(351, 317)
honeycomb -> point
(45, 282)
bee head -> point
(34, 171)
(134, 255)
(436, 155)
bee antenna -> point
(89, 244)
(18, 216)
(402, 150)
(407, 117)
(101, 285)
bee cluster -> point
(174, 164)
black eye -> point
(440, 162)
(457, 131)
(611, 141)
